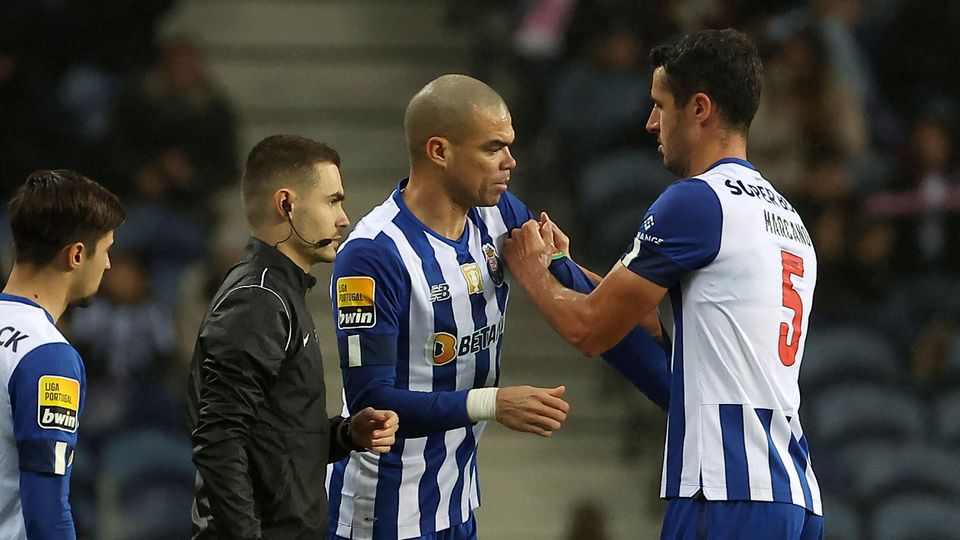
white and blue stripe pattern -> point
(733, 428)
(425, 484)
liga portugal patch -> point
(58, 400)
(356, 307)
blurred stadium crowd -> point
(858, 127)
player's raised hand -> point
(374, 429)
(533, 410)
(525, 249)
(560, 239)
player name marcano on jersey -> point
(785, 228)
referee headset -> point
(288, 209)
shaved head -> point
(446, 107)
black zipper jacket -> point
(257, 407)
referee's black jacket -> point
(257, 407)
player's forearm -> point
(421, 413)
(567, 311)
(46, 509)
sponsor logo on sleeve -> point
(58, 400)
(355, 302)
(647, 223)
(473, 277)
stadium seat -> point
(916, 517)
(845, 413)
(947, 418)
(839, 355)
(951, 367)
(843, 522)
(879, 471)
(145, 487)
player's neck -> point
(714, 149)
(45, 287)
(435, 209)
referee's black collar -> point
(264, 254)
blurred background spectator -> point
(858, 125)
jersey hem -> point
(711, 495)
(403, 531)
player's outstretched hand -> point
(533, 410)
(374, 429)
(525, 249)
(560, 239)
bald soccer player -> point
(420, 296)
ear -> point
(73, 255)
(702, 107)
(283, 202)
(438, 150)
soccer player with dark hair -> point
(739, 268)
(63, 226)
(256, 399)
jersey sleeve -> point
(370, 293)
(46, 397)
(513, 211)
(680, 233)
(371, 296)
(637, 357)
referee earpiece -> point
(285, 204)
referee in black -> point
(256, 399)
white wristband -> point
(482, 404)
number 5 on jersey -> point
(790, 344)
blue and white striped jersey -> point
(42, 398)
(419, 323)
(741, 269)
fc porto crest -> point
(494, 264)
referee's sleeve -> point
(244, 340)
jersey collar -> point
(4, 297)
(398, 198)
(737, 161)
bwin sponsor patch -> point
(356, 307)
(58, 400)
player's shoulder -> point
(25, 326)
(29, 340)
(509, 213)
(375, 222)
(689, 195)
(251, 293)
